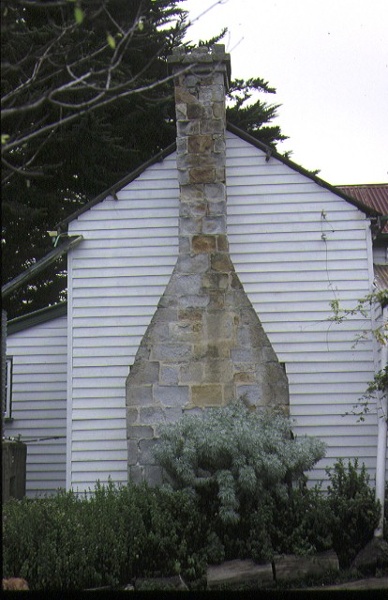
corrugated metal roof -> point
(381, 276)
(374, 195)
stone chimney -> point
(205, 345)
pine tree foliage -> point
(236, 454)
(86, 99)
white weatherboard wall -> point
(116, 277)
(39, 356)
(295, 245)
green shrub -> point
(354, 510)
(241, 465)
(68, 542)
(302, 523)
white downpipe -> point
(382, 438)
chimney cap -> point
(213, 57)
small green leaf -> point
(140, 24)
(111, 41)
(4, 138)
(78, 15)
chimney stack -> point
(205, 345)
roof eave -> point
(112, 191)
(37, 317)
(270, 152)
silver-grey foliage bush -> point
(237, 454)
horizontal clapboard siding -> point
(308, 247)
(39, 356)
(296, 247)
(115, 282)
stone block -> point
(194, 110)
(193, 209)
(203, 243)
(230, 394)
(216, 299)
(218, 371)
(183, 96)
(165, 315)
(198, 263)
(167, 300)
(218, 91)
(146, 456)
(171, 395)
(219, 325)
(190, 225)
(181, 145)
(289, 566)
(185, 284)
(372, 557)
(207, 395)
(171, 352)
(219, 144)
(238, 572)
(185, 128)
(132, 416)
(252, 394)
(140, 432)
(206, 350)
(222, 243)
(190, 314)
(244, 336)
(191, 193)
(244, 377)
(194, 411)
(133, 452)
(202, 161)
(215, 281)
(183, 177)
(212, 126)
(221, 261)
(184, 330)
(184, 244)
(220, 173)
(216, 209)
(214, 225)
(200, 144)
(197, 301)
(192, 372)
(151, 415)
(181, 111)
(139, 395)
(242, 355)
(173, 414)
(169, 374)
(201, 175)
(219, 110)
(215, 192)
(144, 371)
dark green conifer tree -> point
(85, 100)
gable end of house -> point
(270, 153)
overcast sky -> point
(328, 60)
